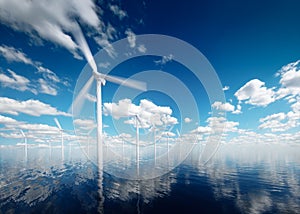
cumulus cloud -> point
(280, 122)
(255, 93)
(30, 107)
(289, 80)
(149, 113)
(50, 20)
(85, 124)
(15, 81)
(7, 120)
(202, 130)
(221, 124)
(223, 106)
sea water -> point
(240, 178)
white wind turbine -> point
(100, 81)
(61, 135)
(25, 143)
(137, 140)
(154, 139)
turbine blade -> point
(22, 133)
(78, 102)
(57, 123)
(138, 118)
(178, 133)
(90, 131)
(126, 82)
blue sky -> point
(247, 43)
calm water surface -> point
(247, 178)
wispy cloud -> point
(47, 84)
(30, 107)
(118, 11)
(13, 55)
(46, 88)
(50, 20)
(131, 37)
(15, 81)
(164, 60)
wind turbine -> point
(154, 139)
(137, 140)
(100, 81)
(62, 137)
(178, 134)
(25, 143)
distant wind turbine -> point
(25, 144)
(137, 140)
(61, 135)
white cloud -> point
(187, 120)
(131, 37)
(85, 124)
(220, 124)
(164, 60)
(289, 80)
(123, 108)
(48, 74)
(30, 107)
(45, 88)
(104, 64)
(49, 19)
(142, 49)
(280, 122)
(117, 11)
(103, 41)
(255, 93)
(238, 109)
(278, 116)
(225, 88)
(296, 106)
(47, 84)
(7, 120)
(13, 55)
(223, 106)
(149, 113)
(16, 81)
(202, 130)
